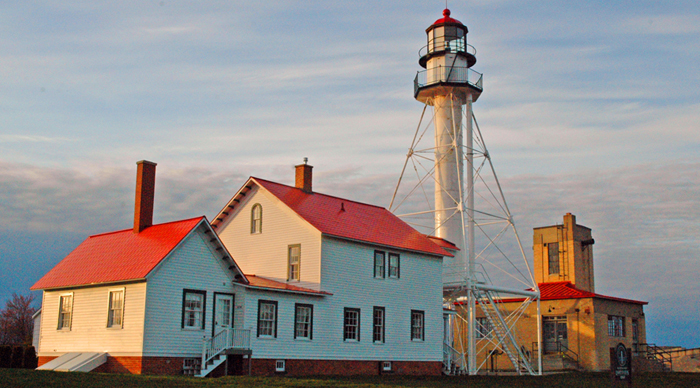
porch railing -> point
(224, 340)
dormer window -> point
(256, 219)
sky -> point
(588, 107)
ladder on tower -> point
(500, 328)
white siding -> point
(193, 265)
(89, 331)
(265, 254)
(347, 272)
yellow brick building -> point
(578, 325)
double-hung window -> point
(483, 328)
(115, 309)
(65, 312)
(193, 303)
(417, 325)
(616, 326)
(351, 325)
(294, 256)
(378, 324)
(267, 318)
(379, 265)
(303, 321)
(394, 265)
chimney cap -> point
(146, 162)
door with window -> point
(223, 312)
(554, 332)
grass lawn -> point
(31, 378)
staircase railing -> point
(658, 354)
(567, 353)
(225, 339)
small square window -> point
(280, 366)
(386, 366)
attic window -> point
(256, 219)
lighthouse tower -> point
(449, 85)
(467, 209)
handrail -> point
(227, 338)
(658, 354)
(447, 74)
(451, 45)
(565, 352)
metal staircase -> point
(506, 341)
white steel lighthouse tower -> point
(467, 207)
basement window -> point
(280, 366)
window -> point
(616, 326)
(483, 328)
(379, 269)
(115, 312)
(280, 366)
(65, 312)
(267, 318)
(378, 325)
(193, 309)
(351, 326)
(553, 252)
(417, 325)
(303, 321)
(294, 254)
(256, 219)
(394, 265)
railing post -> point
(204, 353)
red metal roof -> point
(258, 282)
(566, 290)
(352, 220)
(446, 18)
(117, 256)
(442, 242)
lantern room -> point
(447, 35)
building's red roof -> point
(117, 256)
(347, 219)
(442, 242)
(566, 290)
(258, 282)
(446, 18)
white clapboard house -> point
(284, 280)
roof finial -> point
(446, 13)
(306, 160)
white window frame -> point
(110, 309)
(417, 325)
(616, 326)
(394, 271)
(280, 366)
(188, 310)
(61, 325)
(351, 324)
(378, 325)
(303, 323)
(267, 317)
(379, 264)
(294, 269)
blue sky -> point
(589, 107)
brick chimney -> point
(145, 191)
(303, 176)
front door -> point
(554, 332)
(223, 312)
